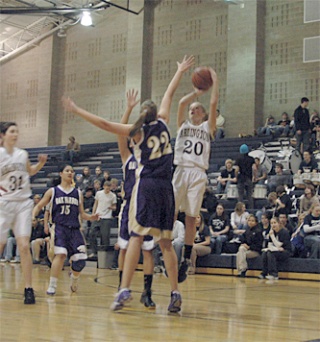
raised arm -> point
(122, 141)
(184, 103)
(35, 168)
(212, 120)
(164, 110)
(112, 127)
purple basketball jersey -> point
(129, 176)
(154, 153)
(65, 207)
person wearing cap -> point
(72, 151)
(244, 165)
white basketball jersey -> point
(14, 176)
(192, 146)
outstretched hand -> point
(68, 104)
(186, 63)
(132, 100)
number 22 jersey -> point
(14, 176)
(192, 146)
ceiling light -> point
(86, 19)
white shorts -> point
(146, 245)
(15, 215)
(189, 185)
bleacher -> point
(107, 156)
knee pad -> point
(78, 265)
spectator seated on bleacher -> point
(268, 126)
(270, 208)
(286, 223)
(238, 222)
(96, 186)
(284, 203)
(308, 164)
(72, 151)
(251, 245)
(311, 229)
(202, 243)
(283, 127)
(280, 178)
(11, 247)
(259, 172)
(87, 179)
(106, 177)
(315, 129)
(265, 227)
(99, 175)
(219, 225)
(308, 200)
(227, 177)
(220, 121)
(278, 249)
(209, 204)
(297, 239)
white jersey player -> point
(15, 203)
(192, 153)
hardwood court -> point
(215, 308)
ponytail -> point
(148, 114)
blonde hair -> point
(228, 161)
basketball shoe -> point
(29, 296)
(51, 291)
(176, 301)
(74, 283)
(122, 297)
(183, 270)
(147, 300)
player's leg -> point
(130, 264)
(56, 267)
(148, 266)
(171, 263)
(22, 230)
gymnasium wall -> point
(256, 47)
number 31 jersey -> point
(192, 146)
(14, 176)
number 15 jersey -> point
(192, 146)
(14, 176)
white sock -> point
(53, 281)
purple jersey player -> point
(152, 202)
(129, 176)
(66, 206)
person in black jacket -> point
(278, 249)
(37, 240)
(302, 125)
(251, 246)
(244, 175)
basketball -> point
(201, 78)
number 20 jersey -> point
(14, 176)
(192, 146)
